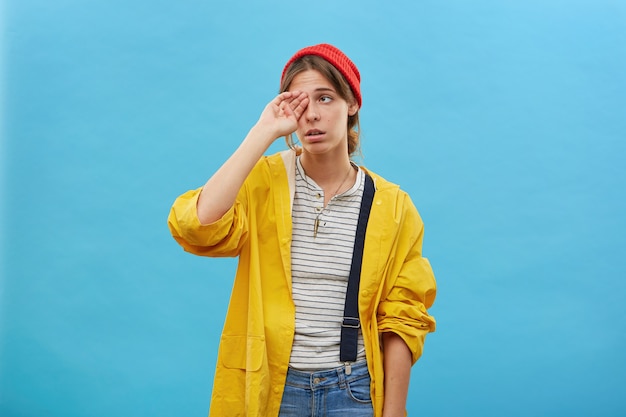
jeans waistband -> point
(336, 376)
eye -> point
(326, 99)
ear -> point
(352, 109)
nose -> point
(311, 112)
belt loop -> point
(342, 378)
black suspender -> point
(351, 322)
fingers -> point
(287, 96)
(284, 110)
(293, 104)
(299, 104)
(290, 103)
(281, 97)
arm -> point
(403, 320)
(410, 287)
(280, 117)
(397, 367)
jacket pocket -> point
(242, 352)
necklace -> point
(317, 218)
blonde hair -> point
(328, 71)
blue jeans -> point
(328, 393)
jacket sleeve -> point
(412, 287)
(224, 237)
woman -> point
(291, 218)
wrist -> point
(264, 134)
(393, 412)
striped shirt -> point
(320, 268)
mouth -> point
(314, 133)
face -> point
(323, 127)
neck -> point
(326, 171)
(334, 176)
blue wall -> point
(504, 120)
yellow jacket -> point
(397, 284)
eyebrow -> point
(322, 89)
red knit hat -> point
(338, 59)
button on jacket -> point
(396, 289)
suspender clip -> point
(351, 322)
(348, 368)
